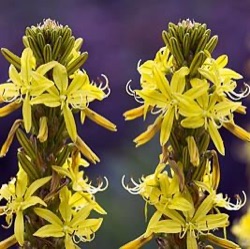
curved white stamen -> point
(83, 102)
(138, 64)
(92, 189)
(133, 190)
(156, 112)
(237, 96)
(129, 90)
(234, 206)
(132, 93)
(81, 238)
(100, 187)
(6, 99)
(8, 210)
(138, 99)
(106, 86)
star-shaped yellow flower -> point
(29, 82)
(19, 197)
(76, 94)
(72, 226)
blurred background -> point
(117, 35)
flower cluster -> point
(193, 95)
(51, 199)
(199, 101)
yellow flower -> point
(77, 95)
(207, 111)
(20, 197)
(161, 190)
(208, 184)
(163, 99)
(222, 78)
(191, 224)
(30, 82)
(84, 190)
(162, 60)
(78, 182)
(73, 226)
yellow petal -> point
(167, 226)
(213, 221)
(210, 75)
(222, 61)
(39, 84)
(46, 99)
(229, 73)
(199, 87)
(152, 223)
(62, 171)
(77, 83)
(221, 242)
(191, 241)
(32, 201)
(64, 207)
(180, 203)
(86, 151)
(204, 208)
(60, 77)
(44, 68)
(152, 97)
(224, 108)
(36, 185)
(21, 183)
(162, 83)
(28, 62)
(97, 118)
(69, 244)
(137, 243)
(9, 108)
(166, 126)
(50, 231)
(14, 76)
(10, 137)
(27, 113)
(178, 81)
(188, 107)
(150, 132)
(89, 227)
(215, 136)
(134, 113)
(19, 228)
(82, 116)
(8, 243)
(70, 123)
(48, 216)
(237, 131)
(81, 216)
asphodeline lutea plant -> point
(50, 200)
(193, 96)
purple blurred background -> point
(117, 34)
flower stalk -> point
(193, 96)
(50, 200)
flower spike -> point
(192, 96)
